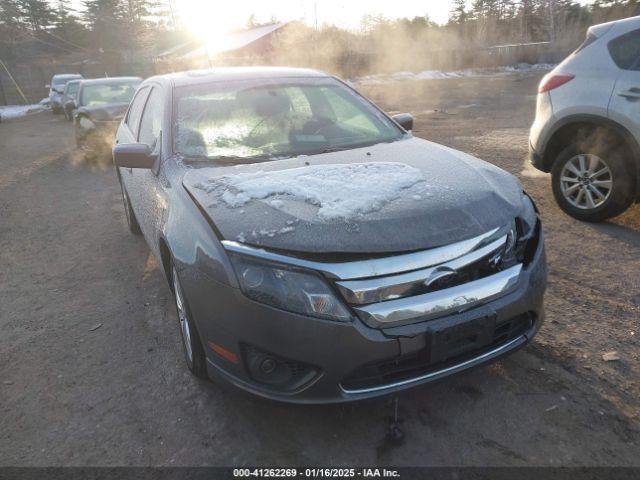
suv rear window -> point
(625, 50)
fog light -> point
(268, 366)
(276, 372)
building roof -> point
(227, 43)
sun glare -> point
(211, 23)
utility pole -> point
(552, 21)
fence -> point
(32, 80)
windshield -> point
(108, 93)
(245, 121)
(60, 82)
(72, 88)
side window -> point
(625, 50)
(135, 111)
(151, 119)
(347, 113)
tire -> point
(191, 343)
(603, 174)
(132, 221)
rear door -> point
(624, 107)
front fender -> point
(189, 240)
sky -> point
(348, 14)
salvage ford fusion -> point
(317, 251)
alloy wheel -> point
(586, 181)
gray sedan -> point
(317, 251)
(101, 103)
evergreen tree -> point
(38, 13)
(458, 14)
(106, 20)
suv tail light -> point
(549, 82)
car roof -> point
(62, 76)
(194, 77)
(110, 80)
(621, 25)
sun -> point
(212, 20)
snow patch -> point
(380, 79)
(16, 111)
(338, 190)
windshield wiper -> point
(232, 159)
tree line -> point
(32, 28)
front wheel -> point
(192, 346)
(592, 185)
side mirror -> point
(133, 155)
(48, 85)
(405, 120)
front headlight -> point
(290, 289)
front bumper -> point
(341, 356)
(536, 159)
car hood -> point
(105, 113)
(394, 197)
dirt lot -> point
(91, 371)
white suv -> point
(587, 126)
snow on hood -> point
(344, 191)
(402, 196)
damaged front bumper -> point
(323, 361)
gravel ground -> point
(91, 370)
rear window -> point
(95, 94)
(625, 50)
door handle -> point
(632, 94)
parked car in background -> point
(587, 126)
(317, 251)
(56, 89)
(101, 103)
(69, 98)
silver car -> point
(56, 89)
(587, 126)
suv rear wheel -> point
(592, 184)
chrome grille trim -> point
(379, 289)
(376, 266)
(441, 302)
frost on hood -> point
(338, 190)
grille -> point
(418, 364)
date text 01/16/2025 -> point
(315, 472)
